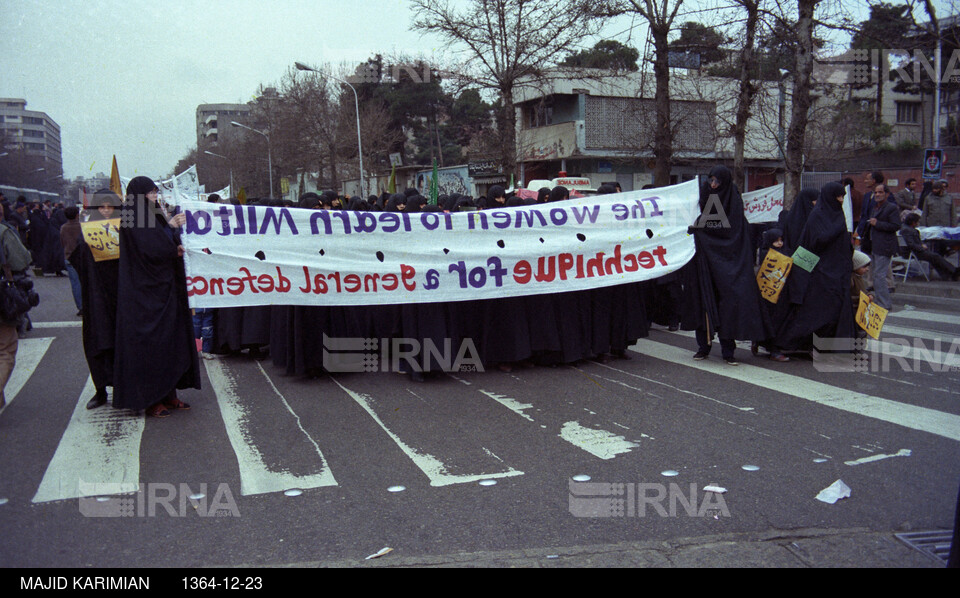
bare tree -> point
(660, 16)
(800, 107)
(747, 87)
(503, 45)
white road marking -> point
(511, 404)
(900, 453)
(256, 477)
(599, 443)
(926, 316)
(902, 414)
(435, 470)
(29, 353)
(69, 324)
(99, 453)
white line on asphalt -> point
(70, 324)
(909, 357)
(511, 404)
(432, 467)
(99, 453)
(678, 389)
(29, 353)
(900, 453)
(926, 316)
(599, 443)
(903, 414)
(945, 339)
(256, 476)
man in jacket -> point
(911, 237)
(884, 223)
(17, 258)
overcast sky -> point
(125, 77)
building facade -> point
(213, 124)
(603, 128)
(31, 133)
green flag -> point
(511, 182)
(392, 185)
(435, 184)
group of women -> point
(139, 338)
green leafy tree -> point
(606, 54)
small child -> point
(861, 265)
(772, 239)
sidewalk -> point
(860, 548)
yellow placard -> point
(103, 238)
(870, 316)
(772, 275)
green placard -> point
(805, 260)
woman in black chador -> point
(155, 350)
(721, 292)
(98, 289)
(821, 299)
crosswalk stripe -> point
(927, 316)
(910, 416)
(29, 353)
(944, 356)
(99, 453)
(256, 476)
(435, 470)
(909, 355)
(945, 339)
(67, 324)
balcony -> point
(552, 142)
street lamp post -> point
(232, 192)
(269, 154)
(356, 101)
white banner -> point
(257, 255)
(764, 205)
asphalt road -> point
(890, 434)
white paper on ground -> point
(834, 492)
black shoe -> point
(417, 376)
(98, 399)
(731, 361)
(700, 355)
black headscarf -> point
(543, 195)
(395, 201)
(309, 200)
(793, 221)
(559, 193)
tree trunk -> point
(662, 138)
(801, 101)
(747, 90)
(509, 157)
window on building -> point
(908, 113)
(31, 133)
(32, 120)
(540, 115)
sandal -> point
(175, 404)
(158, 410)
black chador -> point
(721, 292)
(98, 290)
(155, 349)
(824, 307)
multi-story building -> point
(213, 124)
(603, 128)
(33, 133)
